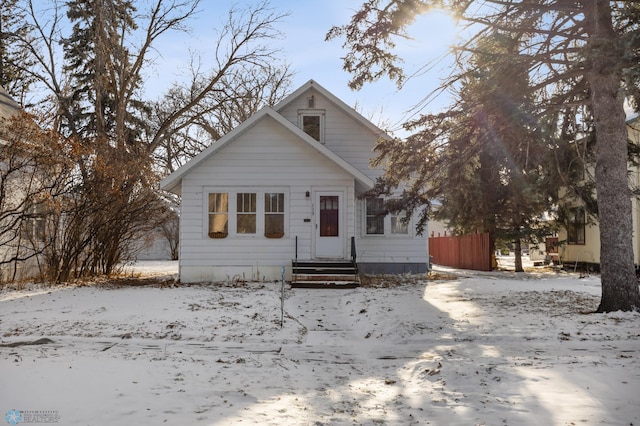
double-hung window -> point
(378, 223)
(218, 215)
(274, 215)
(576, 226)
(374, 218)
(35, 223)
(246, 213)
(399, 226)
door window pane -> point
(329, 215)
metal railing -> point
(295, 263)
(354, 259)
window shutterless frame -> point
(311, 121)
(246, 213)
(392, 224)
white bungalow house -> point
(284, 186)
(580, 240)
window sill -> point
(218, 235)
(274, 235)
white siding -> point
(343, 135)
(266, 157)
(384, 249)
(354, 143)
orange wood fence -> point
(465, 251)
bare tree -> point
(169, 223)
(12, 25)
(95, 97)
(35, 175)
(247, 75)
(238, 95)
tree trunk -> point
(100, 70)
(517, 248)
(619, 283)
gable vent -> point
(311, 102)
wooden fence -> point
(464, 252)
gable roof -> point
(334, 100)
(172, 182)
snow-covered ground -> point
(482, 349)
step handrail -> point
(354, 257)
(295, 263)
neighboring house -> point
(162, 241)
(579, 242)
(154, 246)
(16, 237)
(24, 189)
(8, 107)
(438, 229)
(285, 185)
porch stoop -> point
(312, 274)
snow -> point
(474, 349)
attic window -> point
(311, 102)
(312, 123)
(311, 126)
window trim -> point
(232, 213)
(218, 234)
(252, 199)
(374, 216)
(275, 235)
(573, 225)
(35, 223)
(387, 230)
(399, 218)
(313, 113)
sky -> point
(304, 48)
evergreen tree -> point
(488, 153)
(581, 52)
(14, 60)
(512, 146)
(105, 102)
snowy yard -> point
(496, 349)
